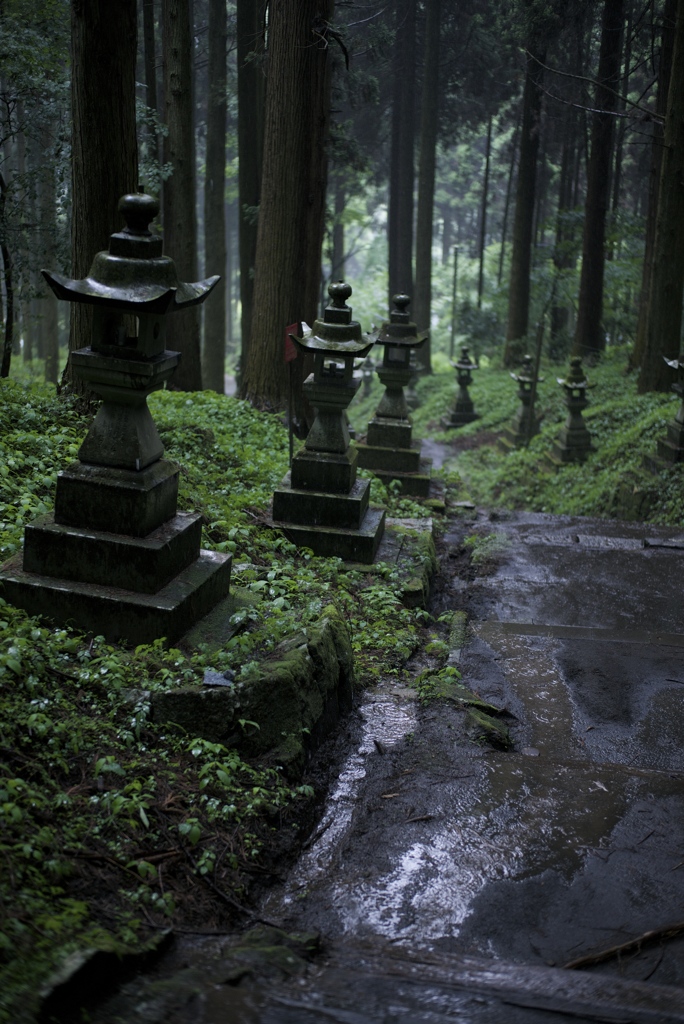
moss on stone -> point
(482, 728)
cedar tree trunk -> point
(589, 331)
(292, 210)
(400, 212)
(426, 178)
(104, 153)
(214, 200)
(521, 255)
(664, 70)
(664, 325)
(250, 93)
(180, 219)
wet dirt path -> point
(435, 854)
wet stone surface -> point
(451, 881)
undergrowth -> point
(112, 827)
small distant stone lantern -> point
(116, 557)
(574, 440)
(527, 423)
(671, 447)
(389, 450)
(320, 503)
(464, 410)
(367, 371)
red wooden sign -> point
(290, 347)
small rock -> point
(530, 752)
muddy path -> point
(450, 880)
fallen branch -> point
(670, 931)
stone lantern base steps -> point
(321, 505)
(391, 454)
(116, 558)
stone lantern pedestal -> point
(389, 450)
(526, 424)
(320, 503)
(464, 410)
(574, 441)
(116, 557)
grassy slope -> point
(625, 427)
(111, 827)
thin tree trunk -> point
(8, 334)
(214, 200)
(180, 218)
(521, 257)
(664, 71)
(589, 331)
(400, 212)
(664, 325)
(48, 231)
(251, 83)
(338, 254)
(104, 155)
(292, 210)
(429, 120)
(483, 215)
(150, 52)
(507, 203)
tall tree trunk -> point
(563, 255)
(180, 218)
(400, 212)
(338, 254)
(507, 204)
(483, 215)
(292, 209)
(8, 331)
(521, 256)
(48, 231)
(104, 154)
(429, 120)
(214, 200)
(150, 53)
(664, 325)
(251, 83)
(589, 330)
(664, 71)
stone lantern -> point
(464, 411)
(671, 447)
(116, 558)
(574, 440)
(527, 423)
(389, 449)
(321, 504)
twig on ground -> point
(669, 931)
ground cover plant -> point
(113, 828)
(612, 482)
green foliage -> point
(109, 824)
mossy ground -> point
(111, 826)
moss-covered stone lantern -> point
(527, 423)
(389, 449)
(321, 504)
(116, 557)
(671, 448)
(464, 410)
(574, 441)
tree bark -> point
(521, 255)
(589, 331)
(483, 215)
(47, 194)
(337, 256)
(664, 324)
(8, 333)
(104, 154)
(292, 208)
(664, 71)
(251, 82)
(400, 212)
(429, 120)
(180, 219)
(214, 200)
(150, 55)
